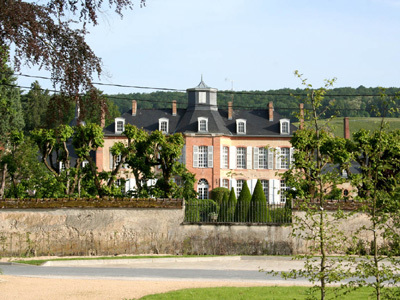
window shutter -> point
(255, 157)
(210, 156)
(270, 158)
(182, 158)
(221, 160)
(111, 161)
(274, 196)
(249, 162)
(195, 156)
(278, 158)
(233, 186)
(221, 182)
(252, 184)
(291, 157)
(232, 157)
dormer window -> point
(163, 125)
(285, 126)
(241, 126)
(119, 125)
(203, 124)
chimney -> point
(271, 111)
(230, 110)
(174, 107)
(134, 107)
(346, 128)
(301, 117)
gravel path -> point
(20, 288)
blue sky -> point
(254, 44)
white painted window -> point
(119, 125)
(240, 126)
(202, 124)
(225, 157)
(285, 158)
(163, 125)
(202, 189)
(285, 126)
(262, 158)
(203, 157)
(85, 163)
(241, 158)
(61, 166)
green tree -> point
(312, 179)
(243, 204)
(258, 205)
(35, 107)
(227, 210)
(377, 186)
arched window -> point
(285, 126)
(202, 189)
(241, 126)
(202, 124)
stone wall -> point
(109, 231)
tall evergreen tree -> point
(35, 107)
(258, 205)
(243, 204)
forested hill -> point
(344, 102)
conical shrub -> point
(258, 205)
(227, 210)
(243, 204)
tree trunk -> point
(3, 181)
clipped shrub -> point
(243, 204)
(227, 211)
(218, 194)
(205, 207)
(258, 205)
(192, 211)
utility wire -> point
(266, 93)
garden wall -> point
(158, 228)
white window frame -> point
(202, 189)
(241, 157)
(285, 157)
(201, 121)
(262, 158)
(241, 126)
(284, 126)
(203, 157)
(163, 125)
(202, 97)
(118, 121)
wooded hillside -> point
(341, 102)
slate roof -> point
(186, 120)
(257, 123)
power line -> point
(266, 93)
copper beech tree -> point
(51, 35)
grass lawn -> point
(253, 293)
